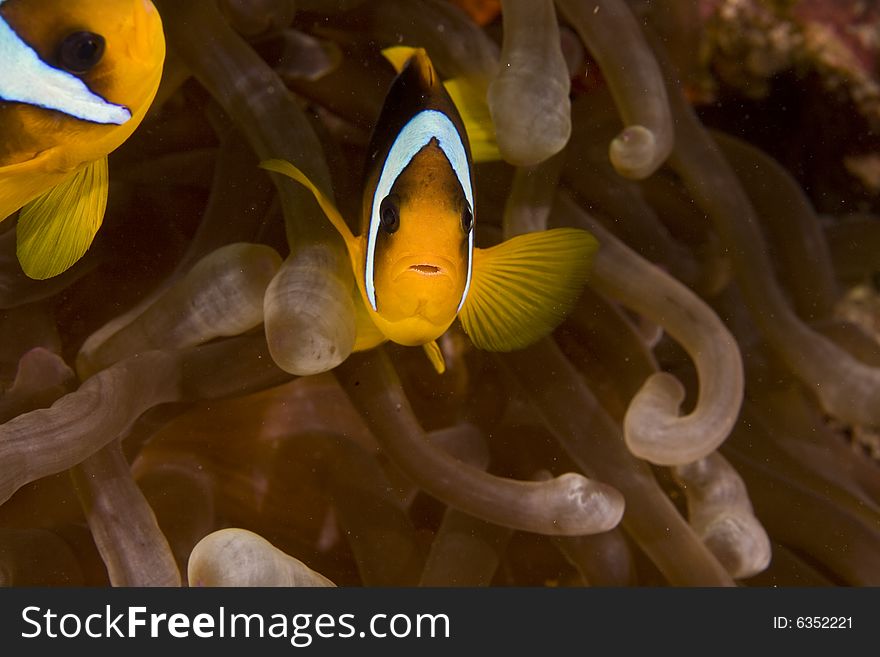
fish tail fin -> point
(285, 168)
(524, 287)
(57, 228)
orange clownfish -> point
(76, 79)
(415, 263)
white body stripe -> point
(424, 126)
(25, 78)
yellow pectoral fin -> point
(432, 350)
(56, 229)
(24, 181)
(285, 168)
(524, 287)
(470, 100)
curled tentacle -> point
(595, 444)
(567, 505)
(720, 512)
(635, 81)
(653, 428)
(623, 204)
(846, 388)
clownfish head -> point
(419, 241)
(80, 73)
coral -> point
(750, 41)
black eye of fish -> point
(80, 52)
(467, 219)
(389, 214)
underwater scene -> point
(440, 293)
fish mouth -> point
(428, 270)
(430, 267)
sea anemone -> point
(184, 406)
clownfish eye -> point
(80, 52)
(467, 218)
(389, 214)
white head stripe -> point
(424, 126)
(25, 78)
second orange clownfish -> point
(76, 79)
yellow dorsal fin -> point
(57, 228)
(398, 56)
(285, 168)
(524, 287)
(432, 351)
(470, 100)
